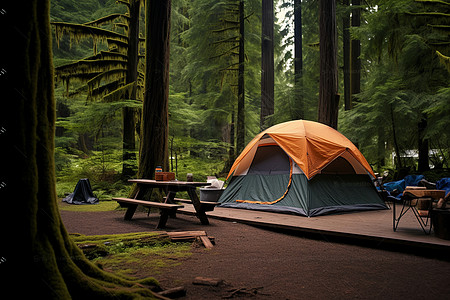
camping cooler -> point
(210, 194)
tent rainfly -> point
(301, 167)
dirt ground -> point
(264, 264)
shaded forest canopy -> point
(400, 112)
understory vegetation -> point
(139, 255)
(104, 171)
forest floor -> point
(264, 264)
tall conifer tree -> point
(328, 97)
(267, 63)
(36, 241)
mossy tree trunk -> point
(155, 112)
(38, 257)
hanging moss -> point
(108, 20)
(78, 32)
(117, 45)
(124, 2)
(121, 26)
(445, 60)
(99, 92)
(107, 55)
(108, 76)
(81, 77)
(120, 93)
(89, 67)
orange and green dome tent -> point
(301, 167)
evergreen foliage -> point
(404, 46)
(405, 85)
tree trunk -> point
(328, 97)
(298, 109)
(346, 53)
(240, 139)
(355, 53)
(423, 146)
(381, 148)
(155, 112)
(394, 135)
(228, 137)
(128, 113)
(35, 241)
(267, 64)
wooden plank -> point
(374, 226)
(168, 183)
(182, 200)
(435, 194)
(186, 233)
(192, 235)
(188, 201)
(148, 203)
(206, 242)
(409, 187)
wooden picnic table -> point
(169, 207)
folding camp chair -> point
(409, 202)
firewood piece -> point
(189, 236)
(175, 292)
(206, 242)
(207, 281)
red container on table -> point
(164, 176)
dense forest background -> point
(393, 81)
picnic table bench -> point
(166, 209)
(204, 205)
(169, 207)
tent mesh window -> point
(269, 160)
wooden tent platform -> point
(369, 228)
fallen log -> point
(207, 281)
(175, 292)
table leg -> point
(393, 214)
(170, 197)
(163, 218)
(170, 200)
(196, 202)
(132, 207)
(130, 211)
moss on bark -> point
(39, 257)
